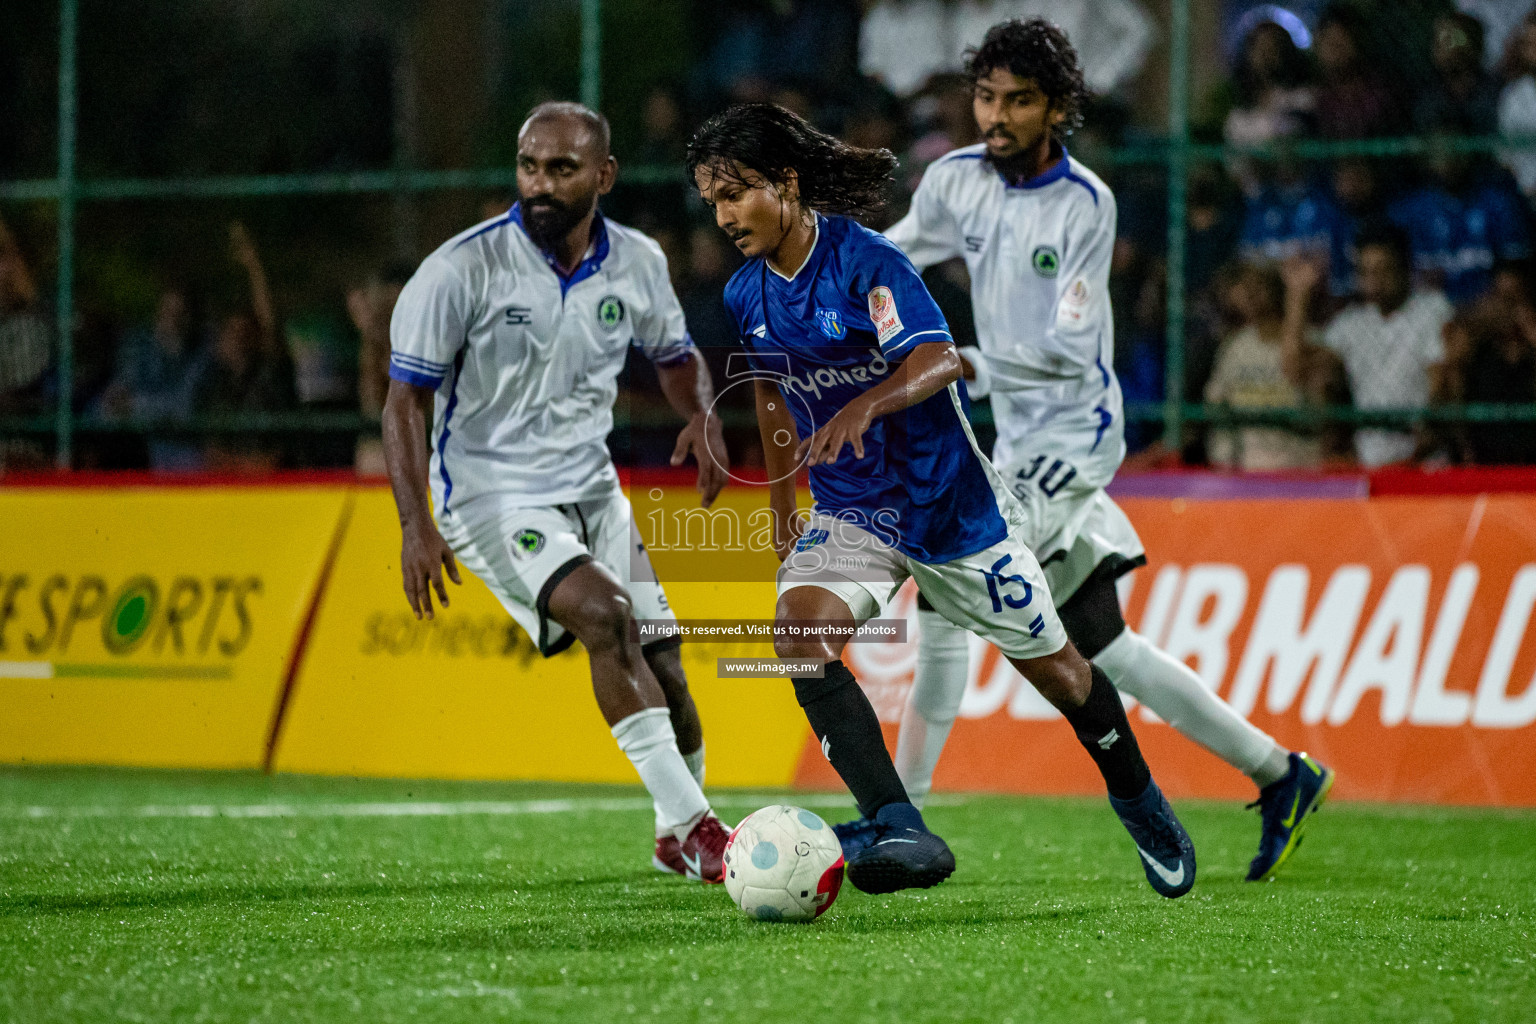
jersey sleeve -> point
(927, 234)
(1076, 334)
(429, 326)
(902, 313)
(660, 331)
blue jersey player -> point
(851, 354)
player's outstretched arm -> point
(423, 552)
(780, 442)
(929, 368)
(691, 393)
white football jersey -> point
(1038, 255)
(526, 362)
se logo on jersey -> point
(882, 310)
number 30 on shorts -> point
(997, 585)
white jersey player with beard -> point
(1038, 252)
(1037, 232)
(506, 346)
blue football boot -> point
(1283, 808)
(1167, 854)
(902, 855)
(855, 835)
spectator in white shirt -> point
(1391, 342)
(1517, 103)
(904, 42)
(1274, 361)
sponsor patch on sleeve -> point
(1073, 307)
(882, 311)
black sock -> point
(850, 737)
(1100, 719)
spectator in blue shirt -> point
(159, 370)
(1460, 223)
(1296, 217)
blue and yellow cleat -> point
(1283, 808)
(1167, 853)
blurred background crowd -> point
(1382, 276)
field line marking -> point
(26, 670)
(415, 809)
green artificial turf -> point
(112, 912)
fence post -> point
(64, 429)
(1178, 186)
(592, 53)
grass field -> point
(180, 897)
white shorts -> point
(1072, 528)
(522, 554)
(999, 594)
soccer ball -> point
(783, 864)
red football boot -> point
(703, 852)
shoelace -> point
(1269, 806)
(1162, 829)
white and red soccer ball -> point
(783, 864)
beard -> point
(547, 220)
(1019, 164)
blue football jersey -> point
(839, 327)
(1461, 238)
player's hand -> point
(846, 428)
(423, 557)
(705, 441)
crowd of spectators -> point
(1388, 283)
(1380, 282)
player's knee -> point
(602, 621)
(1064, 678)
(798, 647)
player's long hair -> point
(768, 141)
(1036, 49)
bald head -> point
(563, 166)
(587, 128)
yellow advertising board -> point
(152, 626)
(466, 695)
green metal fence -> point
(1177, 152)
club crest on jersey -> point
(610, 312)
(829, 323)
(883, 312)
(527, 543)
(1047, 261)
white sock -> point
(1173, 690)
(695, 763)
(938, 686)
(647, 739)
